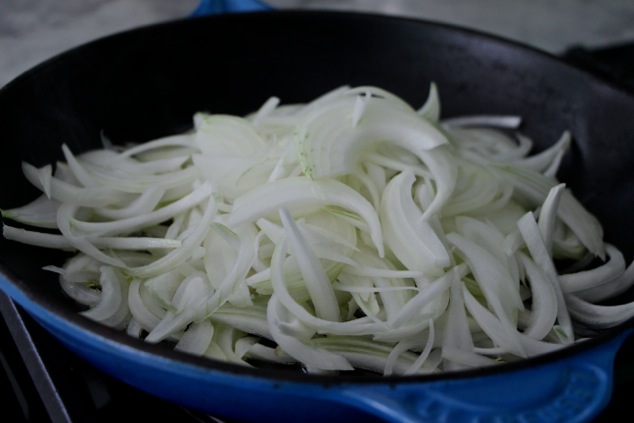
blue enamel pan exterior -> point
(212, 7)
(148, 82)
(571, 389)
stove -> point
(43, 382)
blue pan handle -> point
(212, 7)
(575, 390)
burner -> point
(46, 382)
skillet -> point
(148, 82)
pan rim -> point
(108, 334)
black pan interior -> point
(147, 83)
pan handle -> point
(575, 389)
(212, 7)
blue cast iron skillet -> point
(149, 82)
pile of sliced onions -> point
(353, 231)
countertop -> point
(32, 31)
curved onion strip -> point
(111, 310)
(312, 357)
(544, 300)
(301, 193)
(539, 251)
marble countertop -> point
(32, 31)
